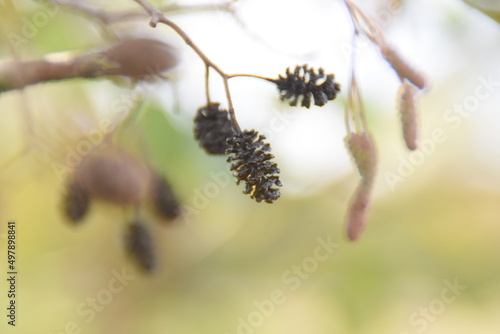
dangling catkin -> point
(357, 212)
(408, 113)
(364, 154)
(404, 70)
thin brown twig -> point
(230, 76)
(158, 17)
(372, 31)
(207, 83)
(110, 18)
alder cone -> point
(212, 128)
(140, 58)
(251, 163)
(139, 246)
(305, 84)
(76, 201)
(164, 200)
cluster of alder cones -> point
(102, 176)
(111, 174)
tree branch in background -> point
(135, 58)
(107, 17)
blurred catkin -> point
(364, 153)
(408, 113)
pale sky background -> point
(447, 40)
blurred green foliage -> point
(231, 253)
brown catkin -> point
(408, 114)
(140, 58)
(357, 212)
(364, 154)
(113, 175)
(404, 70)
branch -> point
(362, 23)
(110, 18)
(135, 58)
(16, 75)
(158, 17)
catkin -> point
(113, 175)
(404, 70)
(357, 212)
(364, 155)
(408, 114)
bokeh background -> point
(440, 224)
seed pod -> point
(306, 83)
(212, 128)
(251, 164)
(408, 113)
(357, 212)
(164, 200)
(76, 201)
(364, 154)
(402, 68)
(139, 245)
(112, 175)
(140, 58)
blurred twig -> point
(107, 17)
(137, 59)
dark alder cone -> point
(251, 164)
(307, 83)
(139, 246)
(164, 200)
(212, 128)
(76, 201)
